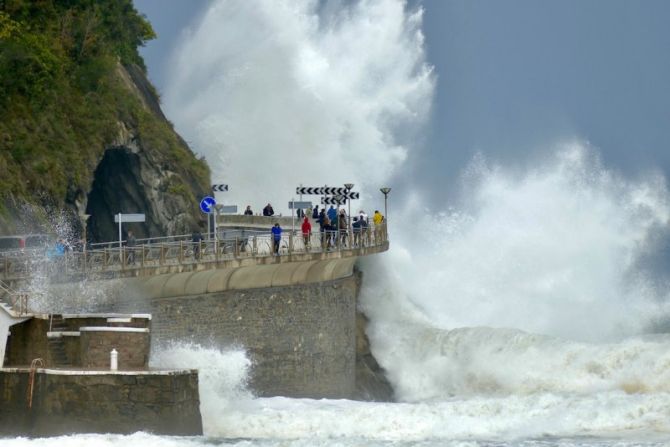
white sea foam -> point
(222, 376)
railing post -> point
(181, 252)
(104, 259)
(290, 243)
(254, 247)
(162, 256)
(216, 249)
(142, 261)
(236, 251)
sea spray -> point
(550, 250)
(288, 92)
(222, 376)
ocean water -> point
(573, 353)
(532, 310)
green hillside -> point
(62, 97)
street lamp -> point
(385, 190)
(84, 222)
(349, 186)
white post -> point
(114, 360)
(120, 235)
(292, 217)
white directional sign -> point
(228, 209)
(125, 218)
(294, 205)
(220, 188)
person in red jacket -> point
(306, 231)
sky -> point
(516, 78)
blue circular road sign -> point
(207, 204)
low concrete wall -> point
(65, 402)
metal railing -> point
(180, 249)
(17, 301)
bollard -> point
(114, 360)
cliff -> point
(81, 130)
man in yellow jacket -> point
(377, 219)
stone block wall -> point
(65, 402)
(301, 338)
(131, 344)
(28, 341)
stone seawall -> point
(64, 402)
(301, 338)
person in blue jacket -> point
(332, 213)
(276, 238)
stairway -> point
(15, 303)
(57, 352)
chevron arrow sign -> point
(318, 190)
(333, 200)
(220, 188)
(326, 191)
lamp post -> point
(385, 190)
(338, 198)
(349, 186)
(84, 221)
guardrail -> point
(17, 301)
(176, 250)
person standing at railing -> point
(332, 214)
(342, 227)
(306, 228)
(196, 238)
(268, 211)
(276, 238)
(131, 241)
(356, 229)
(377, 218)
(248, 211)
(330, 231)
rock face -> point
(137, 174)
(142, 166)
(371, 382)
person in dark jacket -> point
(315, 212)
(131, 241)
(248, 211)
(196, 239)
(268, 211)
(356, 229)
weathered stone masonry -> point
(301, 338)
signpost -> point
(293, 205)
(327, 191)
(121, 218)
(228, 209)
(220, 188)
(207, 204)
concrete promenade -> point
(242, 242)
